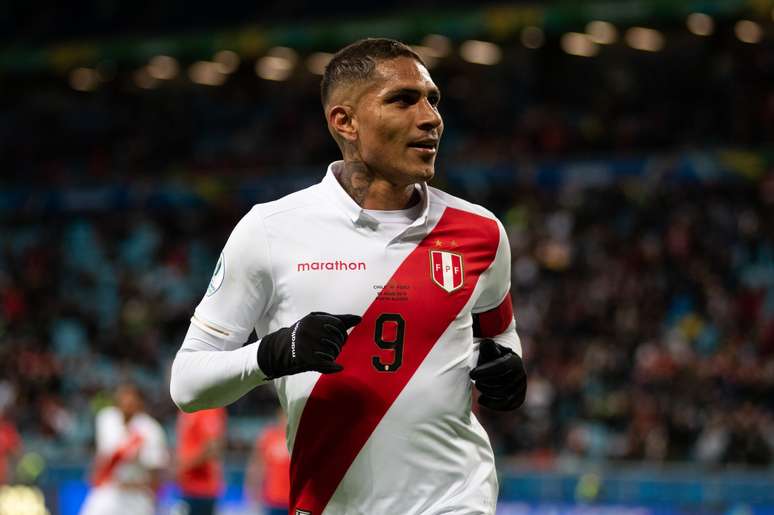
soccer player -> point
(200, 443)
(268, 472)
(131, 454)
(380, 302)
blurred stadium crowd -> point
(646, 310)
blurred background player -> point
(267, 480)
(200, 444)
(131, 457)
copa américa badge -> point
(217, 276)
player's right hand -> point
(311, 344)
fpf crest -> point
(447, 269)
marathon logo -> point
(331, 265)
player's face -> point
(398, 123)
(128, 400)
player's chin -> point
(422, 173)
(425, 169)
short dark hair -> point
(357, 62)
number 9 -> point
(395, 345)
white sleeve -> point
(493, 311)
(207, 373)
(497, 278)
(241, 287)
(212, 369)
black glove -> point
(499, 376)
(312, 343)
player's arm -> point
(499, 373)
(210, 449)
(212, 368)
(208, 373)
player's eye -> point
(403, 98)
(434, 99)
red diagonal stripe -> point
(344, 408)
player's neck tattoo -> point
(361, 184)
(356, 179)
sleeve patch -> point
(217, 276)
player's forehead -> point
(401, 73)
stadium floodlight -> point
(602, 32)
(441, 45)
(163, 67)
(700, 24)
(227, 61)
(480, 52)
(645, 39)
(748, 31)
(579, 44)
(317, 62)
(273, 68)
(533, 37)
(206, 73)
(277, 64)
(84, 79)
(284, 52)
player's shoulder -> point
(447, 199)
(109, 414)
(300, 200)
(255, 221)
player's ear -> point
(342, 122)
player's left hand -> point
(499, 376)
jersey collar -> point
(354, 212)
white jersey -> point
(393, 433)
(136, 448)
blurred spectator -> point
(200, 445)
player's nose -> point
(429, 117)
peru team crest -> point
(447, 269)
